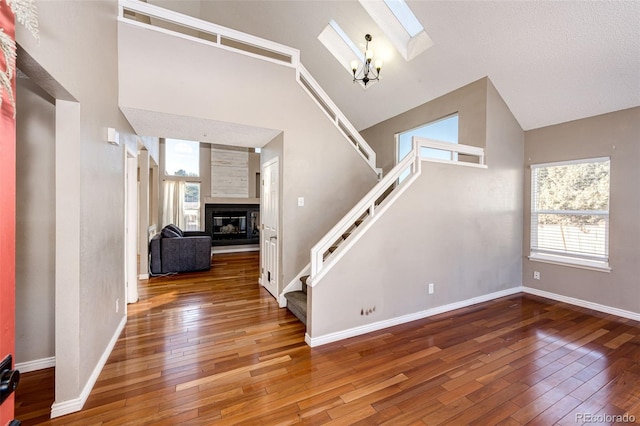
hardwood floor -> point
(214, 348)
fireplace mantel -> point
(229, 200)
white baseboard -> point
(72, 405)
(143, 276)
(36, 364)
(583, 303)
(368, 328)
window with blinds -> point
(570, 212)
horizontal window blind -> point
(570, 209)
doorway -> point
(35, 227)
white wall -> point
(456, 227)
(35, 224)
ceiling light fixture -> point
(367, 74)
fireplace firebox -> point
(232, 224)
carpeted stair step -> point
(297, 304)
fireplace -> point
(232, 224)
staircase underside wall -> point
(178, 77)
(459, 228)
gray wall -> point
(615, 135)
(319, 164)
(35, 223)
(78, 49)
(457, 227)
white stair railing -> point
(142, 14)
(328, 251)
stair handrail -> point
(318, 266)
(336, 116)
(289, 57)
(412, 162)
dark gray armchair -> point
(174, 250)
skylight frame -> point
(400, 34)
(340, 45)
(405, 16)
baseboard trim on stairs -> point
(36, 364)
(368, 328)
(583, 303)
(72, 405)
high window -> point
(570, 212)
(181, 204)
(182, 158)
(444, 129)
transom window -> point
(570, 212)
(182, 158)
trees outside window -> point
(570, 211)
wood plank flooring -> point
(214, 348)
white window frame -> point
(579, 260)
(187, 180)
(425, 153)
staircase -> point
(297, 301)
(328, 251)
(136, 17)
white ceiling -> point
(551, 61)
(154, 123)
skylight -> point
(340, 45)
(345, 38)
(405, 16)
(401, 26)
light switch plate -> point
(300, 201)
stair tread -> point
(297, 295)
(297, 304)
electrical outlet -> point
(431, 288)
(536, 275)
(117, 305)
(300, 201)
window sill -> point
(571, 262)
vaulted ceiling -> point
(551, 61)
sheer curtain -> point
(173, 208)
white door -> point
(269, 235)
